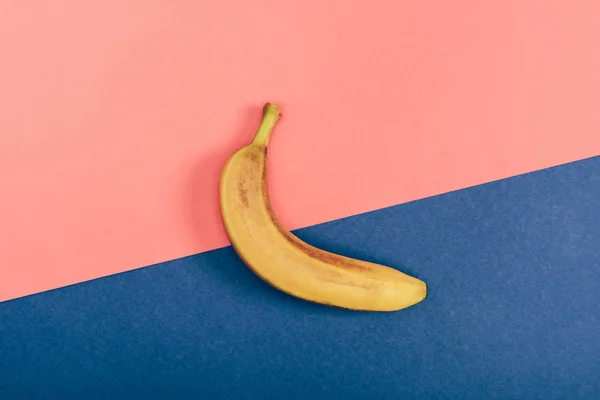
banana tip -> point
(271, 108)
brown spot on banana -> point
(243, 194)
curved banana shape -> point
(286, 262)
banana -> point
(288, 263)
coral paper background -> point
(117, 116)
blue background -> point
(512, 313)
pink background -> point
(117, 116)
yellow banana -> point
(286, 262)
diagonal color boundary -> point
(513, 269)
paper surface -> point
(117, 116)
(512, 269)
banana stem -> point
(270, 116)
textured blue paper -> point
(513, 312)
